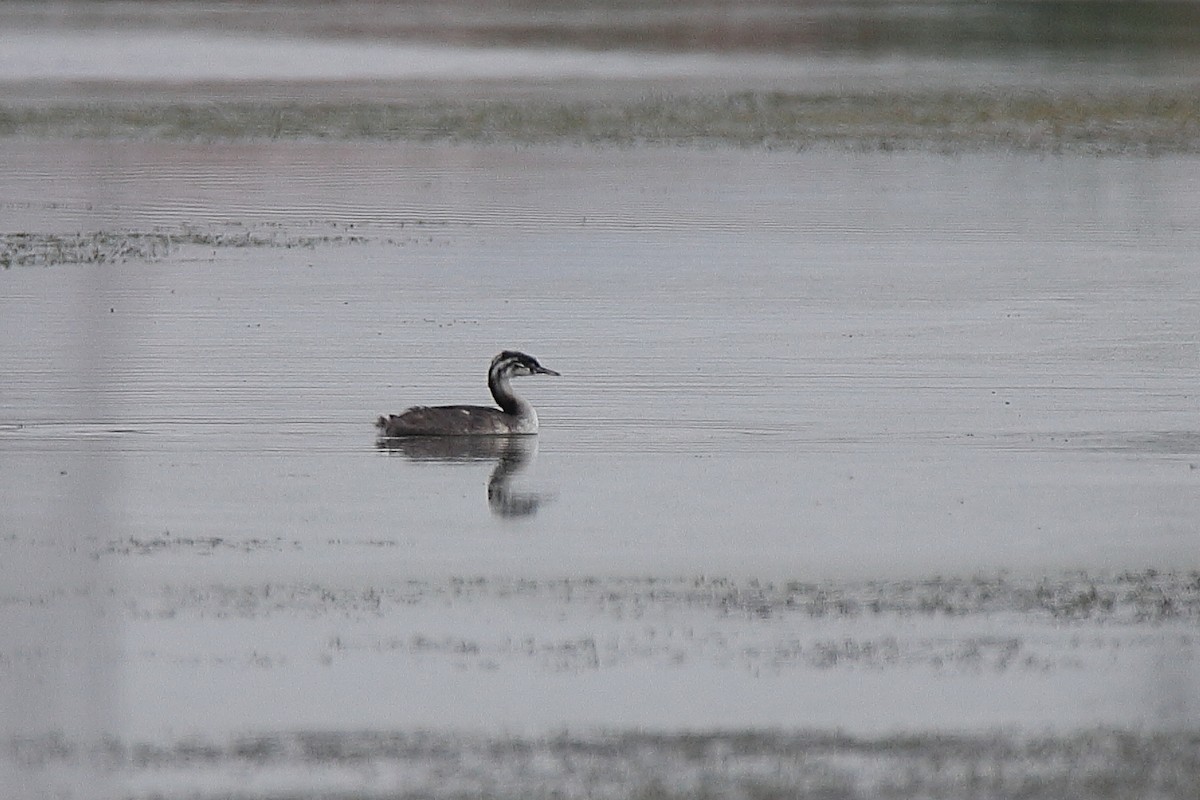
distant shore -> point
(1153, 122)
(1113, 78)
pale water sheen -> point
(777, 368)
(911, 349)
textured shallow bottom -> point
(616, 688)
(753, 764)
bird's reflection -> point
(512, 455)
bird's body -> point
(514, 415)
(457, 421)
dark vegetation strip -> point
(24, 249)
(1097, 764)
(1121, 122)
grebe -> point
(514, 415)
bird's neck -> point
(505, 397)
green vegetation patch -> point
(946, 121)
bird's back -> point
(455, 421)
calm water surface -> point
(770, 361)
(776, 367)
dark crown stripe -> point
(509, 358)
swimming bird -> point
(514, 416)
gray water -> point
(797, 388)
(872, 469)
(771, 362)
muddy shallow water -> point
(860, 464)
